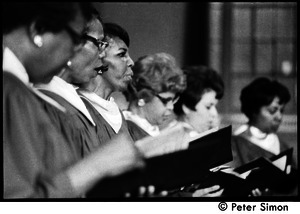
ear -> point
(185, 109)
(35, 36)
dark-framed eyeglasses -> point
(165, 101)
(77, 38)
(101, 45)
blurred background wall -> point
(240, 40)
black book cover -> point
(172, 170)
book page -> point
(280, 163)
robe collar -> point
(68, 92)
(142, 123)
(12, 64)
(108, 109)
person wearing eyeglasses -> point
(157, 81)
(76, 123)
(37, 160)
(114, 76)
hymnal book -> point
(172, 170)
(273, 173)
(169, 140)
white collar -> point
(195, 134)
(68, 92)
(12, 64)
(142, 123)
(269, 142)
(107, 108)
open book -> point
(273, 173)
(169, 140)
(174, 169)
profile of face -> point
(160, 108)
(86, 62)
(119, 63)
(205, 116)
(269, 117)
(56, 50)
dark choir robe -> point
(243, 151)
(135, 131)
(35, 154)
(73, 125)
(104, 131)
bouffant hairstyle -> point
(48, 16)
(153, 74)
(112, 30)
(261, 92)
(200, 79)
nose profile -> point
(102, 54)
(130, 62)
(170, 106)
(278, 116)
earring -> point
(141, 102)
(69, 63)
(38, 41)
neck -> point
(22, 49)
(99, 87)
(254, 125)
(135, 109)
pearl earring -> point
(38, 41)
(141, 102)
(69, 63)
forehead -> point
(275, 103)
(209, 97)
(116, 43)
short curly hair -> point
(261, 92)
(199, 79)
(153, 74)
(114, 30)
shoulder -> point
(135, 131)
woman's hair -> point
(114, 30)
(261, 92)
(94, 15)
(200, 79)
(153, 74)
(48, 16)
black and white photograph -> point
(151, 102)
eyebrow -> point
(123, 49)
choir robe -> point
(244, 151)
(73, 125)
(103, 129)
(35, 154)
(135, 131)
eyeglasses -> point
(101, 45)
(165, 101)
(77, 38)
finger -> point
(215, 194)
(213, 188)
(142, 191)
(163, 193)
(151, 190)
